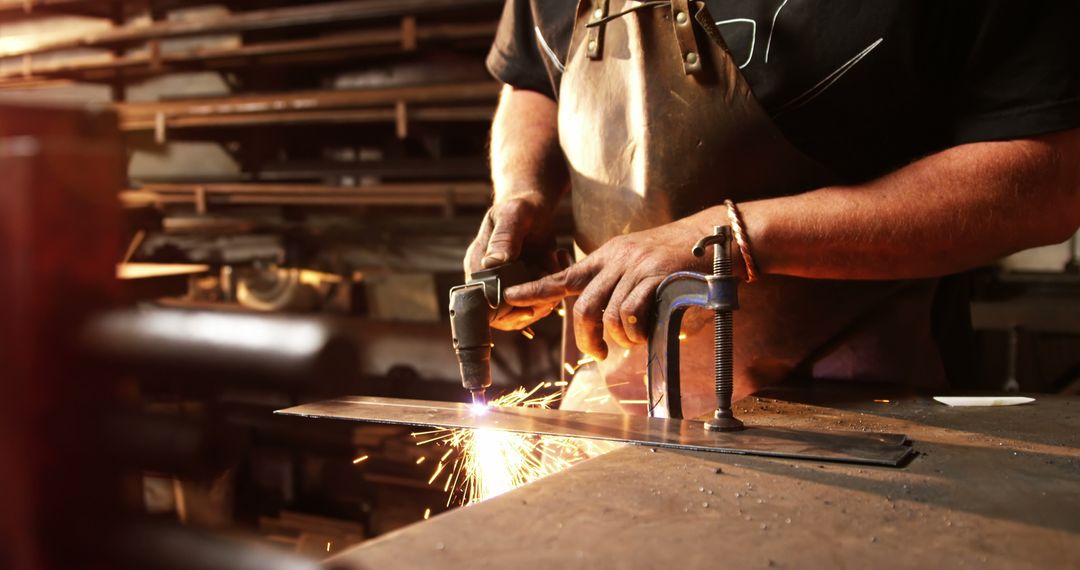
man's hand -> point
(509, 228)
(617, 282)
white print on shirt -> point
(753, 36)
(821, 86)
(547, 49)
(772, 28)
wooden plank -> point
(387, 115)
(471, 168)
(331, 46)
(429, 194)
(12, 10)
(274, 18)
(476, 168)
(26, 9)
(440, 188)
(312, 100)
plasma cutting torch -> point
(473, 306)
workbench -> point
(989, 488)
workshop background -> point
(319, 167)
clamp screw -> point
(723, 349)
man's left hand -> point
(618, 281)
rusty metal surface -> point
(991, 488)
(848, 447)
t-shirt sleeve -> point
(515, 57)
(1020, 73)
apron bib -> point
(657, 123)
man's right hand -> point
(510, 227)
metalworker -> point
(867, 150)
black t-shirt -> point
(864, 87)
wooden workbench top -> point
(991, 487)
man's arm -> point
(951, 211)
(526, 160)
(529, 177)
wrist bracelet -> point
(742, 240)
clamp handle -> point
(718, 238)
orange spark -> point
(435, 475)
(490, 462)
(360, 459)
(427, 513)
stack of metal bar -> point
(252, 126)
(296, 156)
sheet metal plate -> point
(846, 447)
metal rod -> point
(722, 332)
(723, 348)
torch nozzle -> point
(479, 397)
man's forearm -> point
(526, 161)
(948, 212)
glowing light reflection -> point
(487, 463)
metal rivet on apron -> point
(599, 13)
(681, 18)
(592, 45)
(691, 58)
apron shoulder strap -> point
(684, 13)
(683, 22)
(594, 40)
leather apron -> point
(657, 123)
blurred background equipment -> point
(247, 205)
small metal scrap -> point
(988, 401)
